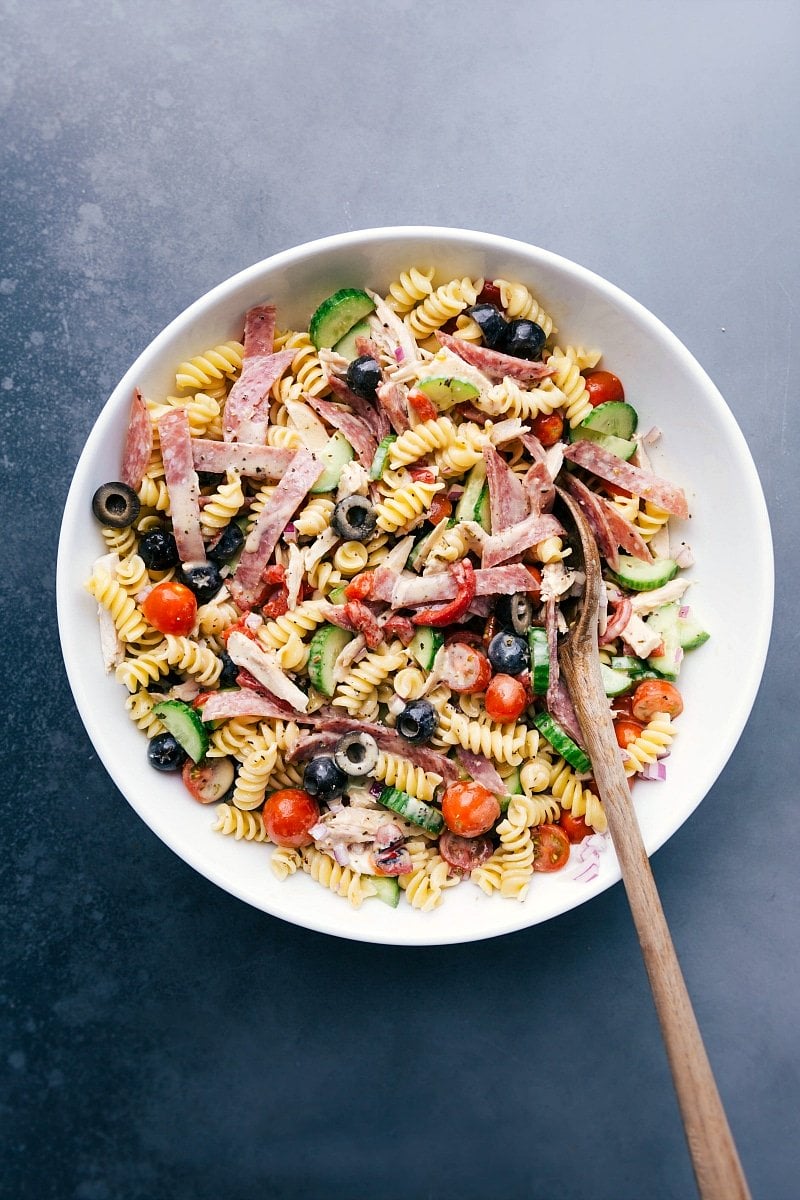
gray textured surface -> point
(160, 1039)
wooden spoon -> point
(717, 1169)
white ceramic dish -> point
(702, 449)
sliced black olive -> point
(364, 376)
(165, 753)
(158, 551)
(417, 722)
(323, 779)
(491, 323)
(229, 542)
(515, 612)
(354, 519)
(115, 504)
(229, 673)
(524, 339)
(356, 754)
(204, 580)
(509, 654)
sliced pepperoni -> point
(138, 443)
(465, 854)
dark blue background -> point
(159, 1038)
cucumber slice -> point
(387, 889)
(337, 315)
(184, 723)
(381, 456)
(425, 645)
(614, 417)
(691, 633)
(561, 742)
(325, 647)
(642, 576)
(615, 683)
(445, 392)
(483, 510)
(665, 622)
(476, 481)
(338, 595)
(346, 346)
(635, 668)
(614, 445)
(540, 660)
(415, 811)
(335, 454)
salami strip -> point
(392, 742)
(560, 708)
(256, 462)
(392, 399)
(247, 407)
(138, 443)
(270, 523)
(507, 499)
(492, 362)
(482, 771)
(625, 534)
(373, 417)
(182, 485)
(412, 590)
(642, 483)
(259, 331)
(312, 743)
(592, 508)
(354, 428)
(464, 854)
(243, 702)
(539, 488)
(499, 547)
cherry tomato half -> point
(656, 695)
(469, 809)
(506, 698)
(602, 386)
(575, 828)
(551, 848)
(209, 780)
(465, 669)
(548, 428)
(288, 816)
(627, 731)
(440, 508)
(170, 607)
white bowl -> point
(702, 450)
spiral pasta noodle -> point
(143, 669)
(235, 738)
(652, 743)
(132, 575)
(405, 505)
(568, 379)
(343, 881)
(284, 862)
(519, 302)
(350, 558)
(315, 517)
(410, 683)
(504, 743)
(650, 519)
(139, 706)
(215, 617)
(581, 801)
(213, 365)
(119, 541)
(517, 852)
(111, 595)
(220, 509)
(420, 440)
(424, 888)
(440, 306)
(189, 656)
(409, 289)
(239, 824)
(357, 691)
(275, 634)
(253, 776)
(401, 773)
(509, 399)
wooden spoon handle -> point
(713, 1152)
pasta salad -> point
(333, 578)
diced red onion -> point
(396, 705)
(375, 788)
(652, 436)
(656, 771)
(253, 620)
(588, 873)
(290, 533)
(455, 493)
(141, 596)
(678, 654)
(341, 854)
(399, 353)
(318, 831)
(684, 611)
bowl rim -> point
(758, 643)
